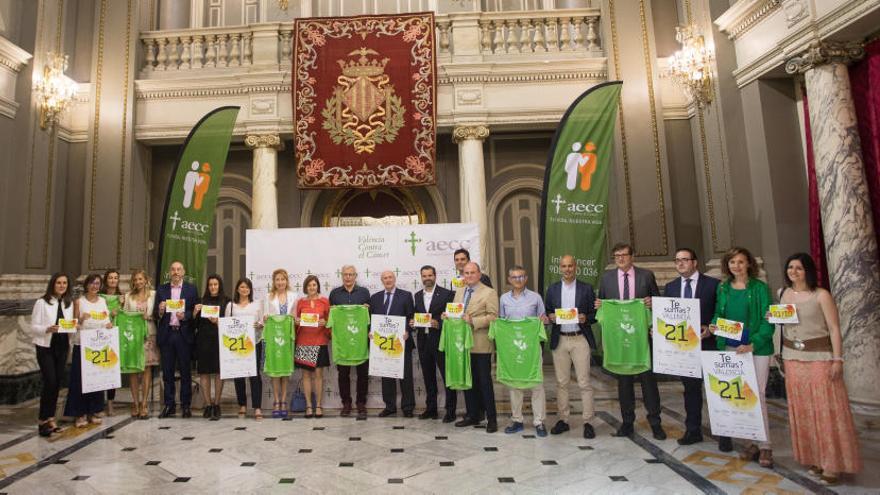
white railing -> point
(489, 34)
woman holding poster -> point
(822, 432)
(51, 321)
(739, 325)
(243, 305)
(90, 312)
(114, 298)
(213, 306)
(312, 337)
(282, 301)
(141, 299)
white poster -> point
(237, 347)
(387, 345)
(403, 249)
(732, 395)
(676, 336)
(100, 359)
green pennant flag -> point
(192, 195)
(574, 210)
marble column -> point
(472, 182)
(850, 243)
(264, 200)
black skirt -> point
(323, 359)
(207, 351)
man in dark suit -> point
(462, 257)
(692, 284)
(432, 299)
(630, 282)
(393, 301)
(571, 343)
(175, 334)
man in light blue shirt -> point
(517, 304)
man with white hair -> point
(394, 301)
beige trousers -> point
(575, 350)
(539, 404)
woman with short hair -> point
(311, 352)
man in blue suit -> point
(394, 301)
(175, 334)
(690, 284)
(571, 343)
(433, 299)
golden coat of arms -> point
(364, 110)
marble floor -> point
(395, 454)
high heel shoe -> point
(276, 410)
(319, 412)
(308, 414)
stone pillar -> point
(264, 202)
(472, 182)
(850, 243)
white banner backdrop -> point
(322, 251)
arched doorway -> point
(515, 231)
(227, 249)
(384, 206)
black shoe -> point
(560, 427)
(168, 412)
(725, 444)
(216, 414)
(387, 412)
(491, 426)
(408, 414)
(346, 411)
(690, 438)
(208, 411)
(186, 413)
(362, 413)
(45, 430)
(588, 431)
(466, 422)
(449, 418)
(658, 432)
(625, 430)
(428, 415)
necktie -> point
(467, 297)
(626, 285)
(387, 305)
(688, 290)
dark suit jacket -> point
(438, 302)
(401, 305)
(707, 288)
(583, 297)
(644, 285)
(187, 328)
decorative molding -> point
(528, 77)
(263, 141)
(825, 52)
(11, 56)
(99, 77)
(184, 89)
(744, 15)
(469, 97)
(467, 132)
(621, 119)
(795, 11)
(8, 108)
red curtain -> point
(817, 240)
(865, 79)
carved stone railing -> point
(486, 35)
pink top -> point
(632, 285)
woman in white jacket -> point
(281, 301)
(52, 345)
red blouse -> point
(313, 335)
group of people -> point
(823, 435)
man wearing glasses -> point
(351, 293)
(571, 343)
(631, 282)
(690, 284)
(517, 304)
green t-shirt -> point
(278, 336)
(625, 336)
(113, 304)
(518, 344)
(132, 334)
(456, 340)
(349, 327)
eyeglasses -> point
(517, 277)
(625, 255)
(683, 260)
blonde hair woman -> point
(281, 301)
(141, 298)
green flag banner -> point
(574, 209)
(192, 195)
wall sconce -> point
(53, 89)
(691, 67)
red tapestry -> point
(364, 90)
